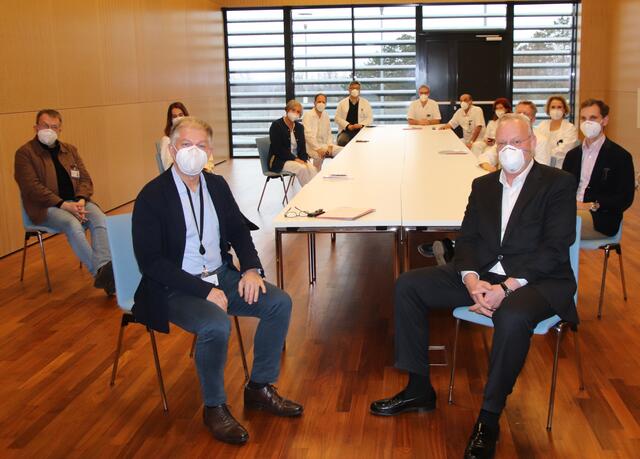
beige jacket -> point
(36, 176)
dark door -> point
(453, 63)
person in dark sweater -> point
(288, 151)
(56, 192)
(604, 171)
(352, 114)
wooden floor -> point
(56, 352)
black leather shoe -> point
(223, 426)
(400, 404)
(482, 444)
(268, 399)
(104, 279)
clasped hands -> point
(487, 297)
(249, 289)
(76, 208)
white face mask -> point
(464, 105)
(354, 92)
(556, 114)
(191, 160)
(500, 113)
(591, 129)
(320, 106)
(293, 116)
(511, 158)
(47, 136)
(176, 119)
(424, 97)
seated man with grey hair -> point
(185, 222)
(317, 132)
(511, 264)
(424, 111)
(288, 146)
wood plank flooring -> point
(56, 352)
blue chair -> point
(543, 327)
(159, 157)
(607, 244)
(127, 277)
(263, 144)
(33, 230)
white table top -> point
(399, 173)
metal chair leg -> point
(242, 353)
(624, 285)
(24, 255)
(554, 375)
(604, 279)
(333, 238)
(578, 358)
(262, 195)
(152, 337)
(453, 361)
(193, 346)
(44, 260)
(123, 324)
(286, 189)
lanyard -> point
(199, 229)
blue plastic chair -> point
(33, 230)
(607, 244)
(263, 144)
(127, 277)
(556, 323)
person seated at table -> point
(353, 113)
(488, 143)
(528, 109)
(317, 132)
(288, 148)
(57, 192)
(424, 111)
(175, 111)
(605, 174)
(561, 134)
(470, 118)
(516, 272)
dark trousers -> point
(345, 136)
(212, 325)
(438, 287)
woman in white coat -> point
(561, 135)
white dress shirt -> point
(429, 111)
(365, 114)
(589, 157)
(193, 262)
(468, 121)
(317, 131)
(510, 194)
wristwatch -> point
(595, 205)
(507, 290)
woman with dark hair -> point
(175, 111)
(486, 150)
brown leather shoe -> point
(268, 399)
(223, 425)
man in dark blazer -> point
(184, 223)
(288, 146)
(604, 171)
(511, 263)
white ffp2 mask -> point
(354, 92)
(464, 105)
(424, 97)
(591, 129)
(47, 136)
(556, 114)
(511, 158)
(191, 160)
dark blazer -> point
(612, 184)
(159, 238)
(280, 148)
(536, 242)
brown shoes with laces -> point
(224, 426)
(268, 399)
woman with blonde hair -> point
(561, 134)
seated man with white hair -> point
(424, 111)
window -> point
(255, 50)
(464, 17)
(544, 53)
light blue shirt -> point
(193, 262)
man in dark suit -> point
(184, 223)
(511, 264)
(604, 170)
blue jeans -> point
(93, 256)
(212, 325)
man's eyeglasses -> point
(54, 127)
(297, 212)
(513, 142)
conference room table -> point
(417, 178)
